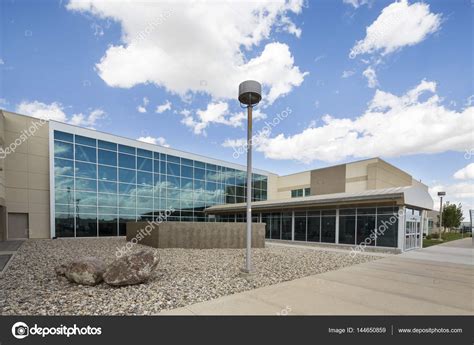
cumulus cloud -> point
(55, 111)
(142, 107)
(197, 47)
(163, 107)
(216, 113)
(456, 193)
(154, 140)
(400, 24)
(371, 76)
(466, 173)
(391, 126)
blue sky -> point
(103, 65)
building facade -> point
(59, 180)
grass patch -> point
(432, 240)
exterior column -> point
(293, 225)
(401, 228)
(337, 226)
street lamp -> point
(250, 94)
(440, 194)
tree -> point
(452, 215)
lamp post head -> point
(441, 193)
(250, 92)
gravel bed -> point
(184, 276)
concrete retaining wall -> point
(201, 235)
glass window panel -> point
(64, 197)
(156, 166)
(86, 170)
(286, 226)
(145, 164)
(307, 191)
(64, 225)
(300, 228)
(347, 211)
(107, 145)
(328, 229)
(128, 176)
(63, 182)
(387, 210)
(173, 169)
(173, 159)
(199, 185)
(172, 182)
(211, 167)
(107, 157)
(145, 191)
(63, 167)
(387, 231)
(109, 200)
(89, 210)
(126, 161)
(63, 136)
(144, 178)
(328, 212)
(129, 189)
(127, 149)
(144, 153)
(187, 171)
(347, 229)
(85, 153)
(127, 201)
(108, 225)
(185, 161)
(198, 164)
(275, 226)
(107, 173)
(86, 199)
(108, 210)
(69, 209)
(162, 167)
(144, 203)
(366, 230)
(127, 211)
(86, 141)
(63, 150)
(211, 186)
(313, 229)
(107, 187)
(186, 183)
(86, 225)
(86, 184)
(366, 210)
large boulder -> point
(84, 271)
(133, 268)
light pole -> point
(440, 194)
(250, 94)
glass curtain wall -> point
(101, 185)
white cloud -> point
(391, 126)
(163, 107)
(400, 24)
(178, 45)
(356, 3)
(466, 173)
(55, 111)
(155, 141)
(216, 113)
(371, 76)
(347, 74)
(455, 193)
(142, 108)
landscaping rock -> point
(85, 271)
(130, 269)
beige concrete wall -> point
(201, 235)
(26, 171)
(328, 180)
(272, 187)
(294, 181)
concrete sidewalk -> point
(433, 281)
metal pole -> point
(248, 261)
(440, 215)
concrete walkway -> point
(433, 281)
(7, 250)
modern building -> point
(59, 180)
